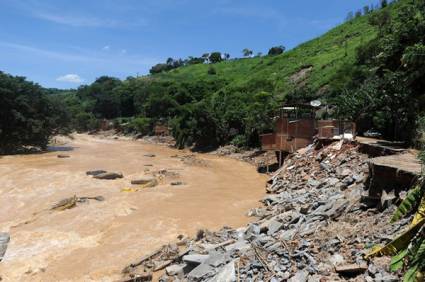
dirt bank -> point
(95, 240)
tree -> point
(277, 50)
(215, 57)
(247, 53)
(194, 60)
(384, 3)
(27, 116)
(105, 101)
(226, 56)
(366, 10)
(350, 16)
(358, 14)
(170, 61)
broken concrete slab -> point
(175, 269)
(392, 173)
(274, 226)
(195, 258)
(351, 269)
(200, 272)
(226, 274)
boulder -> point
(108, 175)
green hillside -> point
(325, 55)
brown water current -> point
(95, 240)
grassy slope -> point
(325, 53)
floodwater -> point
(95, 240)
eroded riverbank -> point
(95, 240)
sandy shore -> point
(95, 240)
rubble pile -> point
(253, 156)
(313, 227)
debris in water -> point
(64, 204)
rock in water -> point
(63, 156)
(108, 175)
(4, 241)
(95, 172)
(142, 181)
(150, 155)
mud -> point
(96, 239)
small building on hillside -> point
(296, 126)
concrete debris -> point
(312, 227)
(4, 241)
(195, 259)
(351, 269)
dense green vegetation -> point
(28, 116)
(384, 88)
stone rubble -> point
(313, 226)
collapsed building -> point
(296, 126)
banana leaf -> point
(397, 261)
(420, 214)
(398, 244)
(407, 206)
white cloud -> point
(123, 51)
(106, 48)
(87, 21)
(72, 78)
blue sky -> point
(63, 44)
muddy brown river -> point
(95, 240)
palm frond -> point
(412, 200)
